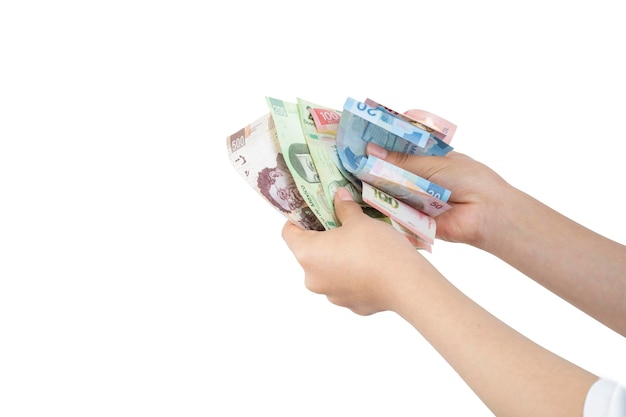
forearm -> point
(512, 375)
(579, 265)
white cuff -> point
(605, 399)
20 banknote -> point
(300, 153)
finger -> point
(424, 166)
(345, 206)
(292, 234)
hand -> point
(356, 265)
(477, 191)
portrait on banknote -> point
(302, 162)
(278, 186)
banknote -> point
(407, 187)
(255, 154)
(414, 239)
(443, 128)
(298, 158)
(329, 136)
(414, 220)
(323, 149)
(352, 137)
(378, 168)
(326, 120)
(393, 132)
(355, 132)
(435, 125)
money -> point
(323, 149)
(416, 191)
(330, 138)
(298, 158)
(435, 125)
(420, 224)
(352, 137)
(443, 129)
(255, 154)
(326, 120)
(415, 240)
(355, 132)
(299, 154)
(392, 132)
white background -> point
(141, 276)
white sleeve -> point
(605, 399)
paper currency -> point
(323, 150)
(392, 132)
(255, 153)
(329, 136)
(422, 225)
(326, 120)
(352, 137)
(413, 190)
(355, 132)
(299, 154)
(435, 125)
(443, 129)
(298, 158)
(415, 240)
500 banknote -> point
(255, 154)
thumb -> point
(345, 206)
(424, 166)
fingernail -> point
(377, 151)
(344, 194)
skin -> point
(579, 265)
(511, 374)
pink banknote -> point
(420, 224)
(436, 125)
(326, 121)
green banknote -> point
(299, 160)
(323, 149)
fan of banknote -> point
(298, 154)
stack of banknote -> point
(298, 154)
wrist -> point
(414, 287)
(507, 220)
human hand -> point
(477, 191)
(362, 265)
